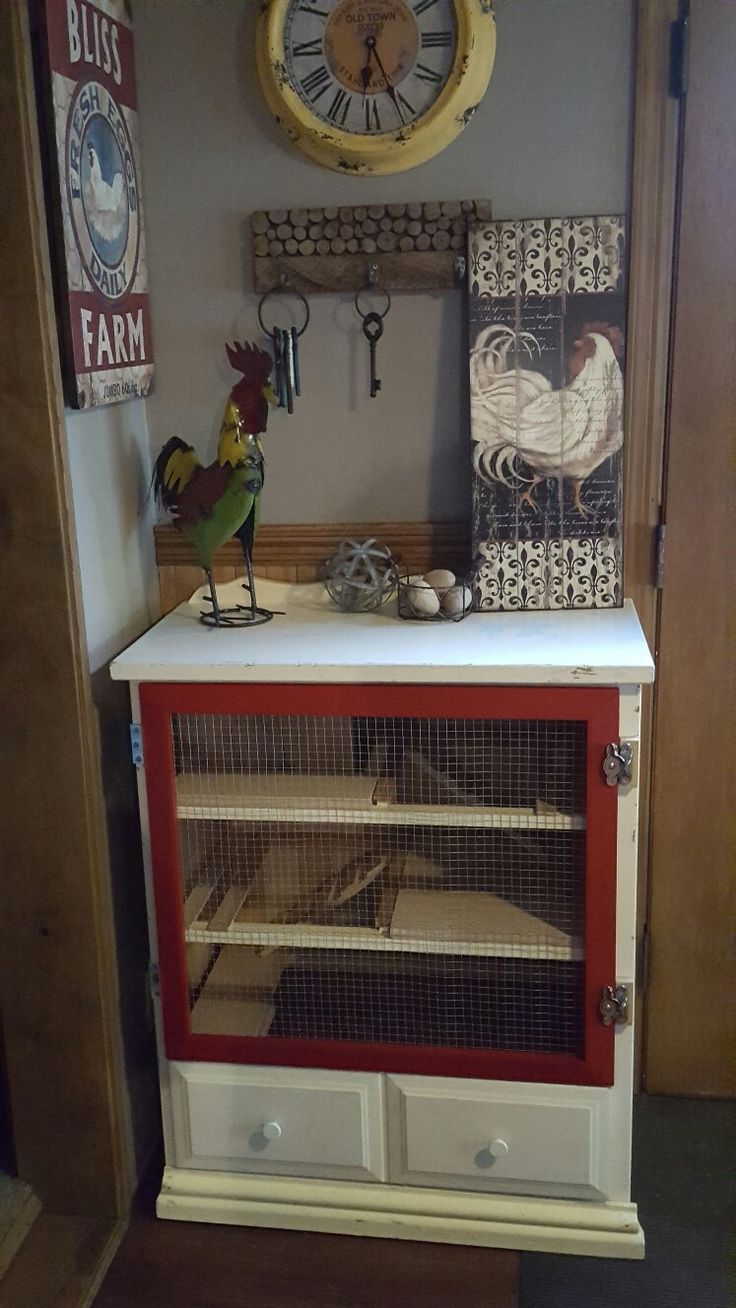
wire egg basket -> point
(420, 601)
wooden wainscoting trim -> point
(417, 544)
(295, 552)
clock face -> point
(369, 67)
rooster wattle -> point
(518, 419)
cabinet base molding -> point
(605, 1230)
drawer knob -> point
(271, 1130)
(498, 1149)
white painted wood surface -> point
(507, 931)
(604, 1230)
(238, 797)
(542, 1213)
(314, 642)
(330, 1123)
(441, 1133)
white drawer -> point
(476, 1136)
(297, 1121)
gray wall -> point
(551, 137)
(109, 463)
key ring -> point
(284, 290)
(371, 290)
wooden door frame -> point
(691, 1032)
(652, 237)
(58, 973)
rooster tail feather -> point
(173, 470)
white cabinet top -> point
(314, 641)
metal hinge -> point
(679, 43)
(136, 744)
(660, 535)
(614, 1005)
(618, 763)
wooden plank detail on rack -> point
(239, 798)
(232, 902)
(413, 246)
(195, 902)
(517, 934)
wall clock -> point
(374, 86)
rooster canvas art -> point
(547, 314)
(520, 420)
(212, 504)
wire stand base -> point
(239, 616)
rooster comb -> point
(254, 364)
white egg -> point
(457, 600)
(424, 601)
(440, 579)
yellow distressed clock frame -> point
(391, 152)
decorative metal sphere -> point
(360, 576)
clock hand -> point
(366, 72)
(390, 88)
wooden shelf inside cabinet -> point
(420, 922)
(233, 797)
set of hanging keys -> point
(287, 381)
(373, 329)
(285, 340)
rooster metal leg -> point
(251, 583)
(577, 503)
(213, 597)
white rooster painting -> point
(547, 313)
(104, 194)
(524, 430)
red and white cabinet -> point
(391, 882)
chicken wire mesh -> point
(401, 880)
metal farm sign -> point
(102, 266)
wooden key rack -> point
(418, 246)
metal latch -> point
(614, 1005)
(618, 764)
(136, 744)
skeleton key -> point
(373, 331)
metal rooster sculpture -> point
(210, 505)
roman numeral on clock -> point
(316, 83)
(405, 102)
(427, 74)
(338, 110)
(423, 5)
(372, 119)
(435, 40)
(305, 48)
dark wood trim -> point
(690, 1045)
(418, 544)
(654, 170)
(58, 978)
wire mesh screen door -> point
(393, 878)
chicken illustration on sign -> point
(547, 315)
(520, 420)
(92, 87)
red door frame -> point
(597, 707)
